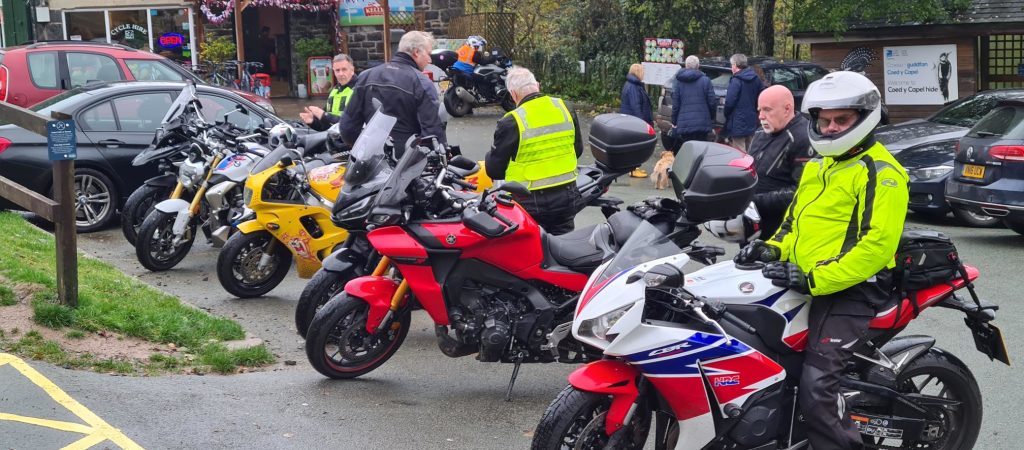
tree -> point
(835, 15)
(764, 28)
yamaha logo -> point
(970, 152)
(450, 239)
(746, 287)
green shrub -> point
(218, 49)
(308, 47)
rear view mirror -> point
(514, 188)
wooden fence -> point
(60, 210)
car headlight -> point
(928, 173)
(598, 327)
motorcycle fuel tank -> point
(327, 180)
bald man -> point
(780, 150)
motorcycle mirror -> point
(514, 188)
(664, 275)
(268, 122)
(285, 162)
(463, 163)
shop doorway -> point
(265, 34)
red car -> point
(32, 73)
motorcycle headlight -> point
(246, 196)
(190, 173)
(598, 327)
(928, 173)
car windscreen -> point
(1004, 122)
(966, 112)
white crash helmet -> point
(842, 90)
(282, 134)
(476, 42)
(740, 229)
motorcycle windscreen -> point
(396, 188)
(273, 158)
(647, 243)
(368, 168)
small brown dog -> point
(660, 173)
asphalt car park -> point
(115, 121)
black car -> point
(925, 148)
(988, 171)
(114, 122)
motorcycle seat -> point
(575, 250)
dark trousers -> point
(554, 208)
(836, 326)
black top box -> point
(621, 142)
(443, 59)
(714, 181)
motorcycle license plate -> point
(988, 339)
(972, 171)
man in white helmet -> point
(837, 243)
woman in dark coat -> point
(636, 102)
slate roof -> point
(979, 12)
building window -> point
(165, 31)
(129, 27)
(86, 26)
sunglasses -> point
(840, 121)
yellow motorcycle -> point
(292, 201)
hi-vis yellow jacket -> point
(845, 222)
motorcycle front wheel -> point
(576, 419)
(155, 246)
(338, 345)
(252, 264)
(324, 286)
(138, 206)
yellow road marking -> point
(97, 430)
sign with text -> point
(663, 50)
(920, 74)
(369, 12)
(61, 143)
(660, 74)
(321, 75)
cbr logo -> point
(730, 380)
(662, 351)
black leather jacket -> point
(404, 93)
(779, 159)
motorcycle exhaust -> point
(220, 236)
(450, 347)
(464, 95)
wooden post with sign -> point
(60, 210)
(387, 29)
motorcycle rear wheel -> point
(138, 206)
(576, 419)
(338, 345)
(238, 264)
(507, 103)
(155, 246)
(940, 374)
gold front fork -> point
(198, 199)
(178, 188)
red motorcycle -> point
(491, 279)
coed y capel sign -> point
(920, 74)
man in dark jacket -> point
(780, 150)
(693, 104)
(403, 91)
(741, 103)
(537, 144)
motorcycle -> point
(713, 357)
(485, 86)
(351, 259)
(291, 197)
(449, 251)
(217, 160)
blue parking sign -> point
(61, 143)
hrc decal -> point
(728, 380)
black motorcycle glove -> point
(756, 250)
(787, 274)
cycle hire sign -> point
(61, 143)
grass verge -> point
(109, 300)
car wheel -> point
(1015, 226)
(973, 219)
(95, 200)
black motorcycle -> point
(485, 86)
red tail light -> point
(4, 143)
(1007, 152)
(3, 84)
(956, 148)
(745, 162)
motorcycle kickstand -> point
(512, 382)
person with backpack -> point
(837, 243)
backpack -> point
(926, 258)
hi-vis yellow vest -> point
(338, 99)
(547, 155)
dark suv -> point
(32, 73)
(988, 167)
(795, 75)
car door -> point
(135, 118)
